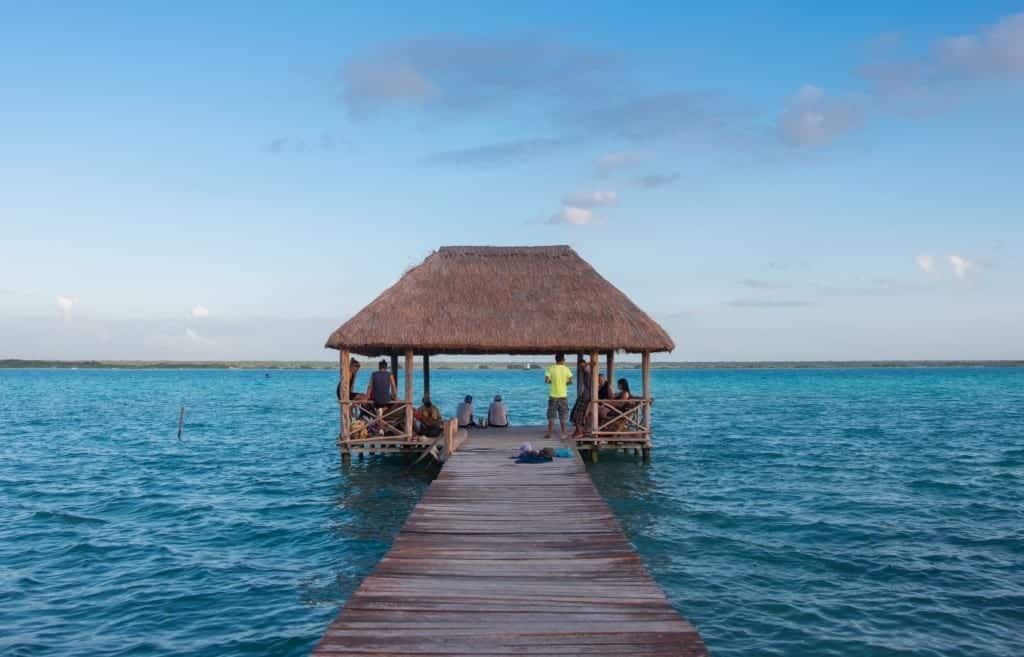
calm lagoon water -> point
(786, 512)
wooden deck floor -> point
(507, 559)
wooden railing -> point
(395, 422)
(622, 419)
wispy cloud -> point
(995, 51)
(655, 180)
(925, 263)
(925, 83)
(876, 287)
(769, 303)
(675, 315)
(762, 284)
(611, 162)
(659, 116)
(497, 154)
(200, 312)
(454, 73)
(590, 199)
(814, 119)
(193, 336)
(282, 146)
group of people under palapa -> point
(559, 377)
(382, 391)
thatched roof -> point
(501, 300)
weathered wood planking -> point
(507, 559)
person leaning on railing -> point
(623, 407)
(382, 390)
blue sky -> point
(232, 180)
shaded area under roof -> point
(501, 300)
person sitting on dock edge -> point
(464, 412)
(558, 377)
(497, 413)
(428, 418)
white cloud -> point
(961, 265)
(813, 119)
(925, 263)
(65, 303)
(590, 199)
(200, 312)
(573, 215)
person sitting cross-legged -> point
(429, 422)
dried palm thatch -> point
(501, 300)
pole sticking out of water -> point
(181, 421)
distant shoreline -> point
(14, 363)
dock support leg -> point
(593, 454)
(647, 454)
(346, 458)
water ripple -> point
(786, 513)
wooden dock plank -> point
(500, 558)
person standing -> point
(382, 389)
(353, 368)
(558, 377)
(581, 408)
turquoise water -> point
(786, 512)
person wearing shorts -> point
(558, 377)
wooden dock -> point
(500, 558)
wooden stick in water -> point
(181, 421)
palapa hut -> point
(501, 300)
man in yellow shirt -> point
(558, 377)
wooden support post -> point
(394, 369)
(645, 363)
(646, 367)
(579, 375)
(426, 374)
(408, 393)
(609, 359)
(594, 366)
(343, 404)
